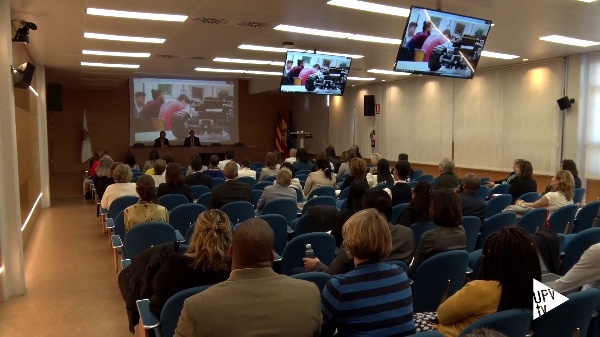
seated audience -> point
(401, 191)
(354, 203)
(104, 182)
(510, 177)
(205, 262)
(356, 150)
(585, 273)
(404, 156)
(561, 195)
(122, 186)
(523, 182)
(375, 157)
(302, 163)
(159, 168)
(103, 168)
(263, 302)
(447, 177)
(130, 160)
(358, 171)
(231, 190)
(321, 177)
(417, 210)
(374, 299)
(344, 169)
(270, 168)
(213, 170)
(279, 158)
(189, 170)
(383, 172)
(322, 155)
(229, 154)
(168, 158)
(152, 157)
(567, 165)
(448, 234)
(295, 182)
(472, 203)
(175, 183)
(330, 152)
(292, 157)
(245, 170)
(147, 208)
(343, 159)
(197, 177)
(279, 189)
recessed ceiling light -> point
(244, 61)
(367, 38)
(569, 41)
(361, 78)
(136, 15)
(110, 65)
(114, 53)
(588, 1)
(382, 80)
(493, 24)
(492, 54)
(239, 71)
(259, 72)
(122, 38)
(370, 7)
(283, 50)
(353, 85)
(524, 60)
(387, 72)
(312, 31)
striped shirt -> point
(374, 299)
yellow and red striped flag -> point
(281, 133)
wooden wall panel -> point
(593, 190)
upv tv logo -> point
(545, 299)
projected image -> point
(311, 73)
(443, 44)
(180, 105)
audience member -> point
(94, 162)
(330, 152)
(279, 158)
(295, 182)
(510, 177)
(404, 156)
(161, 141)
(102, 170)
(401, 191)
(213, 170)
(231, 190)
(205, 262)
(175, 183)
(356, 151)
(343, 159)
(189, 170)
(122, 186)
(302, 163)
(344, 169)
(447, 177)
(585, 273)
(322, 155)
(567, 165)
(191, 140)
(375, 157)
(292, 157)
(354, 203)
(245, 170)
(321, 177)
(263, 302)
(159, 172)
(197, 177)
(358, 171)
(147, 208)
(152, 157)
(472, 203)
(417, 210)
(168, 158)
(523, 182)
(563, 189)
(229, 154)
(380, 292)
(130, 160)
(448, 234)
(104, 182)
(270, 168)
(279, 189)
(383, 172)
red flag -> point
(281, 134)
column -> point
(40, 75)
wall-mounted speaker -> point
(23, 75)
(565, 103)
(54, 99)
(369, 105)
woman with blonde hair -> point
(106, 181)
(205, 262)
(563, 189)
(375, 157)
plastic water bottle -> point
(310, 254)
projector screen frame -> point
(318, 78)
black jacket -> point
(230, 191)
(103, 183)
(473, 204)
(199, 178)
(548, 245)
(520, 186)
(157, 142)
(164, 189)
(188, 142)
(446, 180)
(401, 194)
(321, 218)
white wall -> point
(311, 113)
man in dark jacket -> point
(198, 178)
(472, 203)
(231, 190)
(447, 178)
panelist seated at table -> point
(192, 140)
(162, 141)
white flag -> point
(545, 299)
(86, 145)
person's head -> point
(169, 158)
(375, 157)
(383, 170)
(300, 63)
(130, 159)
(163, 134)
(344, 156)
(174, 176)
(471, 182)
(183, 99)
(159, 167)
(412, 27)
(355, 148)
(122, 174)
(153, 155)
(350, 154)
(323, 164)
(367, 236)
(517, 164)
(445, 208)
(293, 152)
(279, 157)
(288, 166)
(271, 160)
(214, 161)
(112, 168)
(356, 195)
(511, 258)
(157, 94)
(284, 177)
(245, 163)
(379, 200)
(447, 34)
(570, 166)
(524, 170)
(229, 154)
(446, 165)
(401, 170)
(321, 155)
(210, 242)
(302, 155)
(289, 64)
(230, 171)
(104, 166)
(140, 98)
(196, 164)
(252, 245)
(421, 201)
(316, 66)
(427, 26)
(358, 168)
(330, 151)
(564, 183)
(192, 133)
(403, 156)
(146, 189)
(97, 155)
(485, 332)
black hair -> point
(421, 201)
(214, 160)
(323, 164)
(245, 162)
(446, 208)
(229, 154)
(183, 98)
(140, 94)
(302, 155)
(156, 93)
(413, 24)
(330, 151)
(569, 165)
(402, 169)
(403, 156)
(288, 166)
(130, 159)
(383, 172)
(169, 158)
(196, 164)
(300, 61)
(289, 62)
(379, 200)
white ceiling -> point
(58, 42)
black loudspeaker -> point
(54, 99)
(369, 105)
(565, 103)
(23, 75)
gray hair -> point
(122, 174)
(104, 167)
(447, 165)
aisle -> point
(72, 286)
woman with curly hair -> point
(358, 171)
(417, 210)
(563, 189)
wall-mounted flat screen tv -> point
(318, 74)
(442, 44)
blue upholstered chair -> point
(576, 245)
(286, 207)
(500, 189)
(533, 219)
(420, 228)
(261, 186)
(579, 195)
(170, 201)
(323, 191)
(238, 211)
(562, 220)
(320, 279)
(497, 204)
(204, 200)
(425, 177)
(530, 197)
(198, 190)
(218, 181)
(396, 212)
(495, 223)
(472, 226)
(184, 216)
(280, 229)
(256, 194)
(322, 201)
(587, 217)
(323, 244)
(247, 180)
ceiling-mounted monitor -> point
(311, 73)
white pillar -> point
(40, 75)
(11, 245)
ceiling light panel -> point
(258, 72)
(376, 39)
(123, 38)
(387, 72)
(136, 15)
(492, 54)
(244, 61)
(312, 31)
(370, 7)
(114, 53)
(239, 71)
(569, 41)
(110, 65)
(283, 50)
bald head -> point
(252, 245)
(230, 170)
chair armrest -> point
(290, 230)
(149, 321)
(178, 236)
(125, 263)
(277, 257)
(103, 211)
(469, 271)
(110, 223)
(116, 242)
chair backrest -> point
(184, 170)
(184, 216)
(483, 191)
(579, 195)
(204, 200)
(472, 226)
(416, 174)
(587, 216)
(299, 195)
(578, 244)
(530, 197)
(120, 203)
(496, 222)
(323, 191)
(420, 228)
(562, 220)
(398, 263)
(323, 244)
(256, 194)
(270, 179)
(432, 276)
(170, 201)
(261, 186)
(344, 193)
(218, 181)
(344, 205)
(119, 222)
(425, 177)
(512, 322)
(321, 200)
(573, 314)
(169, 315)
(247, 180)
(258, 165)
(302, 177)
(238, 211)
(188, 235)
(300, 225)
(484, 181)
(279, 225)
(198, 190)
(475, 263)
(396, 212)
(145, 235)
(136, 173)
(303, 172)
(532, 220)
(286, 207)
(500, 189)
(497, 204)
(320, 279)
